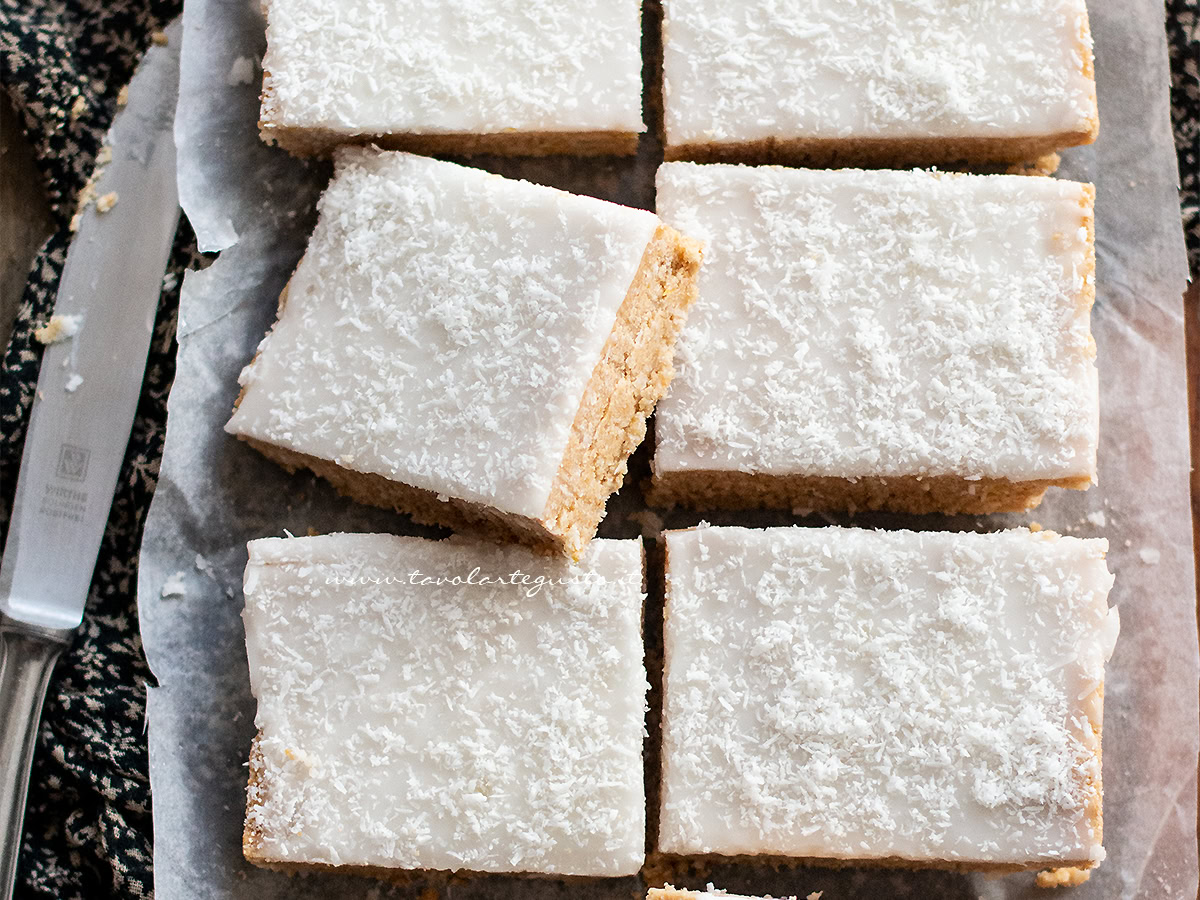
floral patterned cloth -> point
(87, 829)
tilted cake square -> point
(445, 705)
(909, 698)
(488, 76)
(913, 341)
(477, 351)
(885, 83)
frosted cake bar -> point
(893, 82)
(911, 341)
(414, 715)
(479, 352)
(926, 699)
(491, 76)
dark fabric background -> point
(87, 830)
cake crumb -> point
(1150, 555)
(1098, 518)
(1042, 165)
(58, 328)
(159, 38)
(73, 382)
(241, 72)
(79, 107)
(174, 587)
(1035, 527)
(123, 96)
(815, 895)
(106, 202)
(87, 196)
(1069, 876)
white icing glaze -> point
(474, 66)
(888, 68)
(854, 323)
(486, 728)
(845, 693)
(442, 327)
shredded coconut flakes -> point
(447, 727)
(481, 66)
(837, 692)
(855, 323)
(442, 326)
(889, 68)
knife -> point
(82, 414)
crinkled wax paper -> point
(255, 205)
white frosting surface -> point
(889, 68)
(845, 693)
(854, 323)
(475, 66)
(442, 327)
(493, 728)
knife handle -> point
(28, 659)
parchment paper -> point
(256, 206)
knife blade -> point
(89, 384)
(83, 411)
